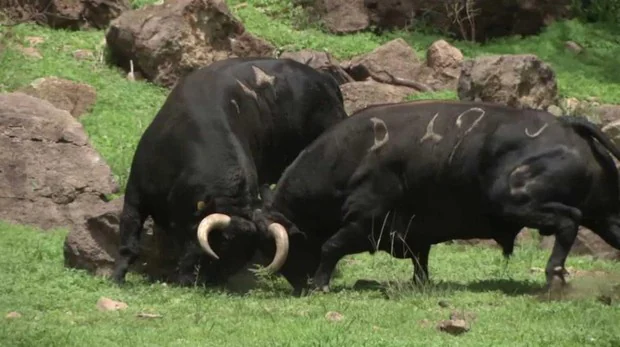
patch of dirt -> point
(584, 285)
(13, 315)
(107, 304)
(334, 316)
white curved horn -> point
(210, 222)
(278, 232)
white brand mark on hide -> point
(381, 133)
(247, 90)
(459, 123)
(234, 102)
(430, 133)
(527, 132)
(262, 77)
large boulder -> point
(445, 61)
(395, 62)
(321, 61)
(50, 176)
(482, 20)
(587, 243)
(343, 16)
(607, 113)
(93, 245)
(167, 41)
(478, 20)
(70, 14)
(609, 118)
(358, 95)
(395, 58)
(73, 97)
(520, 80)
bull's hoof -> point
(420, 282)
(186, 281)
(325, 289)
(301, 291)
(118, 278)
(556, 278)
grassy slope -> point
(58, 304)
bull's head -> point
(274, 230)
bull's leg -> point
(350, 239)
(188, 262)
(420, 264)
(131, 223)
(608, 229)
(562, 219)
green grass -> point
(58, 304)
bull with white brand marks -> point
(223, 131)
(402, 177)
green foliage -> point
(599, 11)
(123, 109)
(58, 305)
(439, 95)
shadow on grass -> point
(506, 286)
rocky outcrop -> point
(165, 42)
(66, 14)
(520, 80)
(93, 245)
(321, 61)
(476, 20)
(358, 95)
(50, 176)
(73, 97)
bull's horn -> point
(210, 222)
(281, 238)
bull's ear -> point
(202, 206)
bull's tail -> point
(584, 125)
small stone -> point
(604, 299)
(443, 303)
(573, 47)
(572, 104)
(425, 323)
(453, 326)
(555, 110)
(334, 316)
(107, 304)
(30, 52)
(84, 54)
(462, 315)
(148, 315)
(14, 314)
(34, 40)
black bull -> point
(434, 171)
(223, 131)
